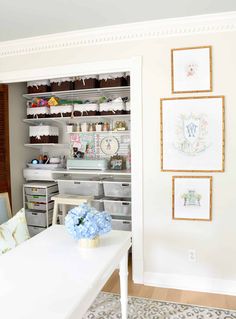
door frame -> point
(134, 66)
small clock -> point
(109, 145)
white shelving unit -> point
(114, 176)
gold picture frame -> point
(222, 160)
(195, 197)
(201, 82)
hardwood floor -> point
(181, 296)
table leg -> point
(64, 211)
(124, 286)
(55, 212)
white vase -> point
(89, 243)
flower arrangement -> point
(85, 222)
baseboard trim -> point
(192, 283)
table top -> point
(49, 276)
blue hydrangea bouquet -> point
(86, 224)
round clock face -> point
(109, 145)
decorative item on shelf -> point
(120, 126)
(117, 162)
(112, 79)
(99, 126)
(86, 82)
(106, 127)
(84, 127)
(69, 127)
(39, 86)
(62, 84)
(85, 224)
(53, 101)
(109, 145)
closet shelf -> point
(84, 94)
(40, 145)
(65, 120)
(101, 132)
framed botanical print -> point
(192, 134)
(192, 198)
(191, 69)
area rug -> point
(107, 306)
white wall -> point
(166, 242)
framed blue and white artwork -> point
(192, 134)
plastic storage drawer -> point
(120, 224)
(73, 187)
(98, 205)
(117, 189)
(38, 198)
(118, 208)
(35, 230)
(38, 219)
(40, 206)
(41, 191)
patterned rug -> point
(107, 306)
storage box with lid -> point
(81, 187)
(127, 75)
(61, 110)
(38, 112)
(39, 86)
(117, 208)
(86, 82)
(62, 84)
(112, 79)
(127, 107)
(117, 106)
(118, 189)
(43, 134)
(86, 109)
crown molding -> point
(221, 22)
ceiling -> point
(28, 18)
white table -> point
(50, 277)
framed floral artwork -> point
(192, 134)
(191, 69)
(192, 198)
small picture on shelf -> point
(117, 162)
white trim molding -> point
(192, 283)
(220, 22)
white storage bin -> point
(118, 208)
(120, 224)
(38, 218)
(40, 206)
(35, 230)
(98, 205)
(38, 174)
(117, 189)
(76, 187)
(41, 191)
(38, 198)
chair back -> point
(5, 208)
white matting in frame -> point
(192, 134)
(191, 69)
(192, 198)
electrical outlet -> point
(192, 256)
